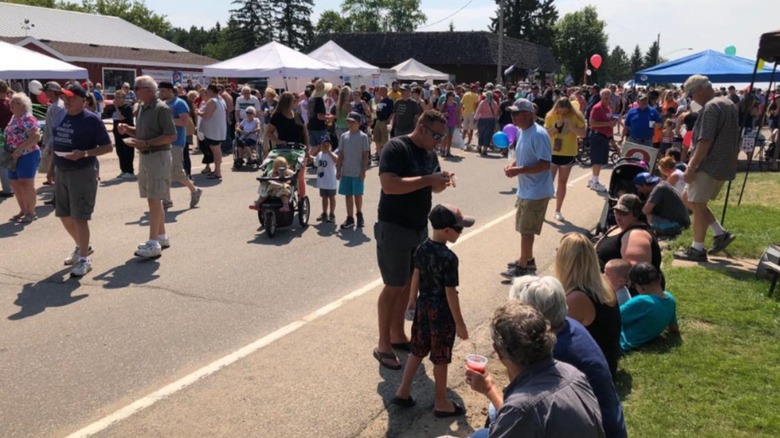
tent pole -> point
(758, 132)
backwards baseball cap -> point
(74, 90)
(642, 96)
(354, 117)
(694, 83)
(165, 84)
(643, 274)
(646, 179)
(521, 105)
(52, 86)
(629, 203)
(447, 216)
(324, 139)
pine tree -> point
(618, 65)
(295, 29)
(653, 57)
(528, 20)
(254, 24)
(637, 63)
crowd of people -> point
(560, 338)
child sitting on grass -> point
(326, 161)
(438, 318)
(648, 314)
(616, 271)
(280, 189)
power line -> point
(448, 16)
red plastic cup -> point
(476, 362)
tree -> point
(652, 57)
(332, 22)
(383, 15)
(364, 15)
(528, 20)
(618, 66)
(636, 60)
(295, 29)
(452, 26)
(250, 25)
(578, 35)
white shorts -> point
(469, 124)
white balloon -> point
(35, 87)
(588, 72)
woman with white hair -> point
(574, 345)
(21, 139)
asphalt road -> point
(73, 352)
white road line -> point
(237, 355)
(578, 179)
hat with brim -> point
(645, 179)
(321, 88)
(324, 139)
(52, 86)
(164, 85)
(74, 90)
(447, 216)
(354, 117)
(521, 105)
(694, 83)
(629, 203)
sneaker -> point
(530, 265)
(151, 249)
(360, 222)
(691, 254)
(559, 217)
(517, 271)
(81, 268)
(322, 218)
(719, 243)
(195, 197)
(349, 223)
(332, 218)
(74, 257)
(127, 175)
(164, 244)
(598, 187)
(590, 183)
(167, 204)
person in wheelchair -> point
(246, 138)
(276, 189)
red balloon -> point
(595, 61)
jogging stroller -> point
(621, 182)
(269, 212)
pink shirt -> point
(487, 110)
(16, 131)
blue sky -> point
(696, 24)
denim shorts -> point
(26, 166)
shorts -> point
(26, 166)
(314, 137)
(351, 186)
(529, 216)
(381, 134)
(211, 143)
(703, 188)
(642, 141)
(326, 193)
(599, 148)
(469, 124)
(75, 192)
(666, 228)
(395, 246)
(451, 130)
(154, 175)
(177, 164)
(562, 160)
(433, 330)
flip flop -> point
(403, 346)
(381, 357)
(458, 412)
(404, 402)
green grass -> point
(721, 376)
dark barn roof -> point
(442, 48)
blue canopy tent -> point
(717, 66)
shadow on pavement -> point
(283, 236)
(353, 237)
(10, 229)
(54, 291)
(134, 271)
(568, 227)
(171, 216)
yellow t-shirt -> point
(469, 103)
(564, 140)
(395, 95)
(576, 104)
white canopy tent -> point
(21, 63)
(348, 64)
(282, 65)
(413, 70)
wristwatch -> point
(86, 154)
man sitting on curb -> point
(645, 316)
(664, 208)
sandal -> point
(205, 171)
(404, 402)
(382, 357)
(27, 218)
(214, 176)
(16, 217)
(459, 411)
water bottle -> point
(511, 155)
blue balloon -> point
(501, 140)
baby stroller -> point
(621, 182)
(269, 213)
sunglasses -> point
(456, 228)
(435, 135)
(620, 213)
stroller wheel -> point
(269, 220)
(304, 211)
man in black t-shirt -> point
(406, 113)
(409, 174)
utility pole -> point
(658, 42)
(500, 42)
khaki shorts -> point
(529, 216)
(75, 192)
(154, 175)
(703, 188)
(469, 124)
(381, 134)
(177, 164)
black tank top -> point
(609, 247)
(605, 330)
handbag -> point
(7, 159)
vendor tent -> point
(272, 60)
(348, 64)
(413, 70)
(21, 63)
(717, 66)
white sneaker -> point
(164, 243)
(195, 197)
(74, 257)
(590, 183)
(597, 186)
(152, 249)
(559, 217)
(81, 268)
